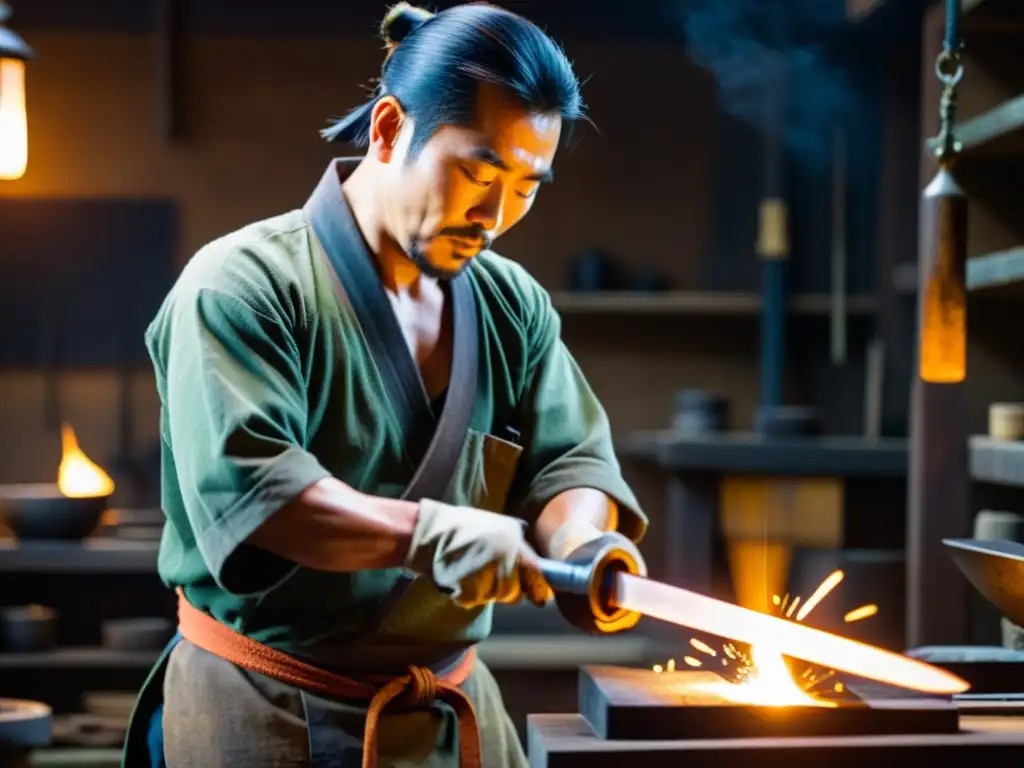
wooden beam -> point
(169, 35)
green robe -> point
(268, 384)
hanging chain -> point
(949, 68)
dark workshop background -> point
(155, 127)
(667, 182)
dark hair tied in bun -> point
(401, 21)
(435, 64)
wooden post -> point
(898, 228)
(773, 238)
(939, 496)
(168, 41)
(939, 485)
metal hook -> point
(949, 68)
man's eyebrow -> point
(544, 177)
(489, 156)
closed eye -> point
(542, 177)
(480, 182)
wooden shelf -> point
(984, 273)
(999, 131)
(718, 304)
(995, 270)
(739, 453)
(85, 757)
(91, 556)
(79, 658)
(997, 461)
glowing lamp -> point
(14, 52)
(943, 283)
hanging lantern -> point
(14, 52)
(942, 302)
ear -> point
(386, 121)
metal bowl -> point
(24, 725)
(996, 569)
(141, 634)
(28, 629)
(39, 511)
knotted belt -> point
(416, 690)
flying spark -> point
(739, 667)
(858, 614)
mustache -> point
(472, 234)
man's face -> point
(468, 185)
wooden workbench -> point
(567, 741)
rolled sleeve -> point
(235, 421)
(222, 543)
(566, 435)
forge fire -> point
(760, 674)
(78, 476)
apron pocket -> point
(484, 475)
(499, 460)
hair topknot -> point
(401, 21)
(435, 64)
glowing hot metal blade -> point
(705, 614)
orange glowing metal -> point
(705, 614)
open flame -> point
(78, 477)
(763, 677)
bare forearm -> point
(573, 518)
(333, 527)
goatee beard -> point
(419, 259)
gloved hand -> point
(475, 557)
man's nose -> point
(487, 212)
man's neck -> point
(397, 272)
